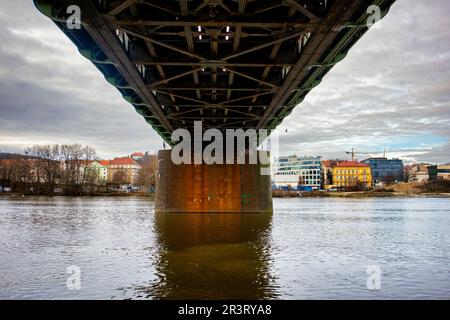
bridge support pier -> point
(217, 188)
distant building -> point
(123, 171)
(439, 172)
(350, 173)
(100, 167)
(137, 156)
(327, 173)
(418, 173)
(385, 170)
(297, 172)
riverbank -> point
(437, 189)
(356, 194)
(110, 194)
(275, 194)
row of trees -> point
(44, 169)
(48, 169)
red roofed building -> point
(103, 162)
(351, 164)
(327, 173)
(137, 156)
(349, 173)
(123, 171)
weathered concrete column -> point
(217, 188)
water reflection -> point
(212, 256)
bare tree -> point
(47, 164)
(88, 155)
(72, 163)
(90, 176)
(5, 172)
(21, 174)
(76, 160)
(147, 173)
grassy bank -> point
(109, 194)
(431, 189)
(356, 194)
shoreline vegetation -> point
(97, 194)
(439, 189)
(357, 194)
(74, 170)
(275, 194)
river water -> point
(308, 249)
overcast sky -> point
(392, 89)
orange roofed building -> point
(123, 171)
(349, 173)
(137, 155)
(327, 173)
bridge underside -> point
(228, 63)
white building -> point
(100, 167)
(419, 173)
(297, 172)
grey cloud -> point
(50, 94)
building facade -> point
(123, 171)
(418, 173)
(297, 172)
(385, 170)
(350, 173)
(100, 168)
(440, 172)
(327, 173)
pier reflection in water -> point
(212, 256)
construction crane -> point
(353, 153)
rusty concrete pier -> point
(217, 188)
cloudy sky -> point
(393, 89)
